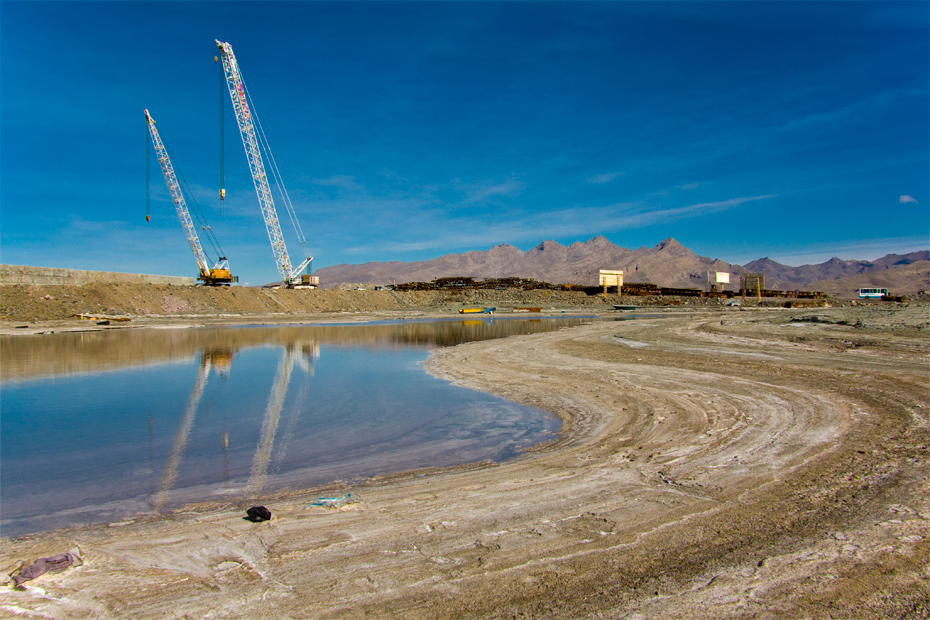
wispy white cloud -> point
(482, 190)
(722, 205)
(833, 116)
(905, 198)
(689, 186)
(340, 181)
(607, 177)
(569, 222)
(626, 218)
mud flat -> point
(768, 464)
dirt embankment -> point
(28, 303)
(51, 302)
(23, 304)
(747, 464)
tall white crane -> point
(216, 275)
(254, 141)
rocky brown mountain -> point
(784, 277)
(899, 279)
(668, 264)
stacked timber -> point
(640, 288)
(681, 292)
(457, 283)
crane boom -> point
(250, 141)
(219, 273)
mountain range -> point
(668, 264)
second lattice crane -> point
(253, 139)
(218, 274)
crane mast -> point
(219, 273)
(250, 140)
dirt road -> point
(766, 464)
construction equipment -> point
(218, 274)
(253, 140)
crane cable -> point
(222, 75)
(195, 207)
(285, 197)
(275, 172)
(148, 189)
(202, 221)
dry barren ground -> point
(746, 464)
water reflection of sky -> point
(236, 416)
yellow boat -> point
(477, 310)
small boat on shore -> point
(477, 310)
(617, 307)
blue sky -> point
(405, 131)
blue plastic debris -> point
(336, 502)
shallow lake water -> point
(98, 426)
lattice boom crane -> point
(253, 143)
(219, 273)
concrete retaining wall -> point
(18, 274)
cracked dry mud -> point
(750, 467)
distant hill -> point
(667, 264)
(779, 276)
(899, 279)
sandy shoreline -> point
(738, 464)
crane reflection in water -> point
(222, 359)
(102, 425)
(293, 354)
(290, 357)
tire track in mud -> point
(731, 428)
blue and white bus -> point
(872, 293)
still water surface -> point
(97, 426)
